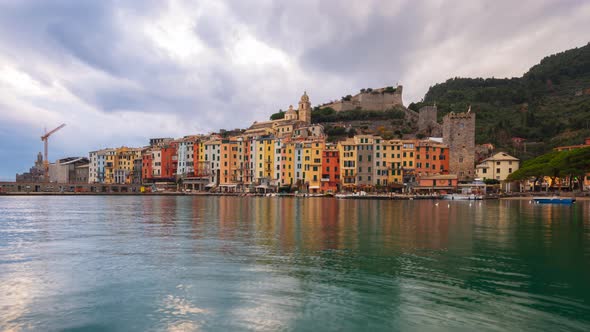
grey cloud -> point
(333, 48)
(211, 31)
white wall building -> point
(497, 167)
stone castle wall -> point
(458, 131)
(377, 100)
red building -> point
(147, 166)
(159, 163)
(330, 169)
(169, 161)
(431, 158)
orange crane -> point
(45, 138)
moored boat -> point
(351, 195)
(554, 200)
(463, 197)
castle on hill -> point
(370, 99)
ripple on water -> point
(221, 263)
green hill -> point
(549, 105)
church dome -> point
(291, 110)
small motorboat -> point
(554, 200)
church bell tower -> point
(305, 109)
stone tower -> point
(427, 121)
(458, 131)
(39, 162)
(305, 109)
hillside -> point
(549, 105)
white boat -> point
(351, 195)
(463, 197)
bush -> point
(277, 116)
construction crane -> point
(45, 138)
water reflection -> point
(235, 263)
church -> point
(287, 126)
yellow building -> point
(124, 162)
(109, 166)
(287, 165)
(408, 152)
(388, 163)
(263, 159)
(347, 149)
(312, 164)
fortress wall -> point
(370, 101)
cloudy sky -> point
(119, 72)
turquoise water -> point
(104, 263)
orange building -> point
(228, 165)
(330, 169)
(437, 183)
(431, 158)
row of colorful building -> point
(293, 154)
(244, 163)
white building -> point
(212, 153)
(96, 168)
(497, 167)
(185, 155)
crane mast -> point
(45, 139)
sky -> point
(120, 72)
